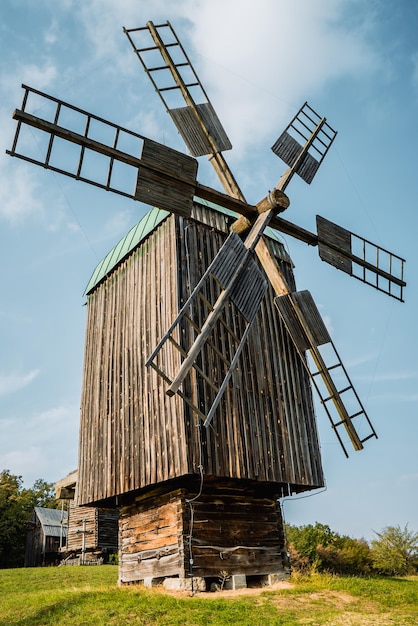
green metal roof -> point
(144, 227)
(139, 232)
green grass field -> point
(90, 595)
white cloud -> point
(22, 461)
(52, 33)
(9, 383)
(256, 67)
(19, 196)
(41, 75)
(258, 61)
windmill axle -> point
(276, 201)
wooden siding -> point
(229, 527)
(151, 537)
(76, 515)
(101, 527)
(132, 435)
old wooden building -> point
(91, 532)
(193, 500)
(46, 536)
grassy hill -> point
(90, 596)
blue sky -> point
(356, 63)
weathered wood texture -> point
(228, 527)
(132, 435)
(151, 538)
(101, 526)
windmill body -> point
(200, 357)
(142, 450)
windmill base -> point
(225, 535)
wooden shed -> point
(92, 532)
(193, 500)
(47, 533)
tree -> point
(395, 552)
(16, 506)
(318, 547)
(303, 543)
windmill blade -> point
(308, 332)
(305, 142)
(303, 159)
(126, 163)
(175, 80)
(231, 289)
(158, 175)
(352, 254)
(361, 258)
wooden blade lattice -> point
(289, 146)
(337, 394)
(86, 147)
(177, 83)
(360, 258)
(211, 329)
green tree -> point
(320, 548)
(16, 506)
(395, 552)
(303, 544)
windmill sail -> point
(176, 81)
(157, 174)
(337, 394)
(360, 258)
(305, 127)
(352, 254)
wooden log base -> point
(227, 531)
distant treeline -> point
(394, 551)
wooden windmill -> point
(197, 411)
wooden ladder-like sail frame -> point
(197, 122)
(308, 331)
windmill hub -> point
(276, 201)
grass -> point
(90, 595)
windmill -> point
(252, 440)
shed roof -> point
(53, 521)
(138, 233)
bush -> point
(318, 548)
(395, 552)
